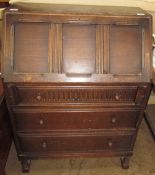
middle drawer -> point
(34, 120)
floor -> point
(142, 162)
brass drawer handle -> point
(41, 122)
(113, 120)
(117, 97)
(110, 143)
(38, 97)
(44, 145)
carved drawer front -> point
(73, 120)
(75, 143)
(46, 95)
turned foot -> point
(25, 166)
(125, 162)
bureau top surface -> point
(77, 9)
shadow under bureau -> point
(77, 80)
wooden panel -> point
(34, 120)
(125, 49)
(79, 48)
(31, 47)
(75, 143)
(32, 95)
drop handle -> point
(110, 143)
(113, 120)
(44, 145)
(41, 122)
(38, 97)
(117, 97)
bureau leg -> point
(125, 162)
(25, 165)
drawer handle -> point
(38, 97)
(117, 97)
(41, 122)
(110, 143)
(113, 120)
(44, 145)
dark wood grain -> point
(83, 143)
(29, 120)
(79, 49)
(130, 39)
(31, 44)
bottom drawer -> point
(75, 143)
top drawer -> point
(62, 94)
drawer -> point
(33, 120)
(46, 95)
(75, 143)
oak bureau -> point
(77, 79)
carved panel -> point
(71, 94)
